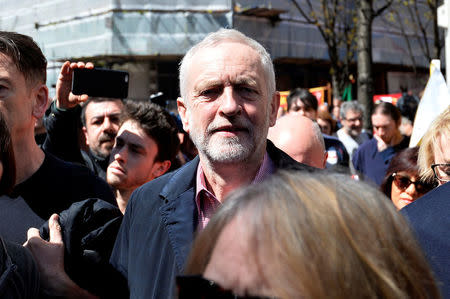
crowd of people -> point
(223, 199)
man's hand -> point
(65, 99)
(381, 145)
(49, 257)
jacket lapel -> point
(179, 212)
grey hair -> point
(216, 38)
(350, 106)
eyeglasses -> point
(352, 120)
(195, 286)
(403, 183)
(441, 171)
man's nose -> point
(121, 155)
(108, 125)
(230, 104)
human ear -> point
(161, 168)
(184, 113)
(274, 105)
(85, 135)
(40, 100)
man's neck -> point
(222, 178)
(29, 157)
(122, 197)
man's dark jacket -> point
(429, 217)
(159, 225)
(63, 127)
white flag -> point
(435, 99)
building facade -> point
(149, 37)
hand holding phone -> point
(99, 82)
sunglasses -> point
(196, 286)
(403, 182)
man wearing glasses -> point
(430, 215)
(351, 134)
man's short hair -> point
(350, 106)
(93, 100)
(307, 98)
(388, 109)
(25, 55)
(158, 124)
(227, 35)
(430, 141)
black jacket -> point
(89, 229)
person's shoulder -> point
(61, 165)
(283, 161)
(435, 203)
(62, 169)
(341, 133)
(368, 144)
(173, 181)
(78, 179)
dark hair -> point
(8, 178)
(326, 116)
(25, 54)
(388, 109)
(405, 160)
(158, 124)
(93, 100)
(307, 98)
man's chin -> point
(354, 133)
(227, 153)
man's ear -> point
(85, 135)
(41, 100)
(184, 113)
(160, 168)
(274, 105)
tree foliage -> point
(336, 22)
(417, 22)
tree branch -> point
(379, 11)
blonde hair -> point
(327, 237)
(430, 142)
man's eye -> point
(209, 92)
(3, 88)
(115, 120)
(119, 143)
(136, 150)
(245, 89)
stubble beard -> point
(225, 149)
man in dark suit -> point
(429, 218)
(429, 215)
(228, 103)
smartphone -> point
(100, 82)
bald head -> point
(300, 138)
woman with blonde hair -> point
(307, 236)
(434, 151)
